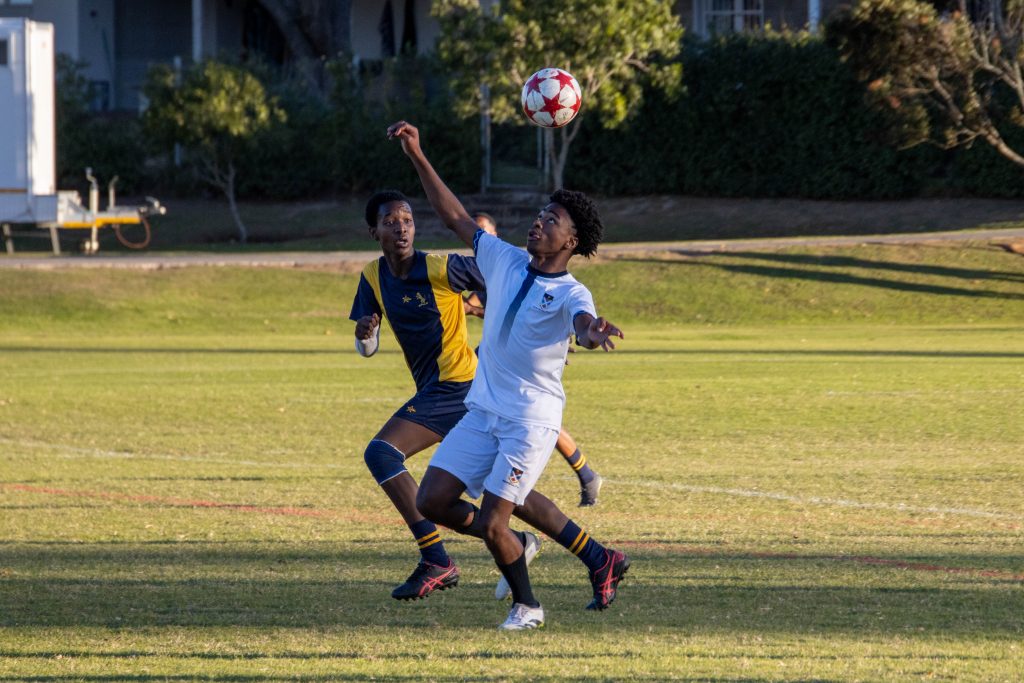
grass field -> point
(815, 459)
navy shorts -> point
(438, 406)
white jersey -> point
(526, 335)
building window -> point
(409, 28)
(3, 53)
(386, 29)
(718, 17)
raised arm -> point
(445, 203)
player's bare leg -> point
(397, 440)
(510, 556)
(590, 481)
(440, 500)
(606, 567)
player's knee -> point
(494, 529)
(430, 504)
(383, 460)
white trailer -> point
(28, 154)
(28, 150)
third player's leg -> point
(407, 438)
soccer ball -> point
(551, 98)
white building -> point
(120, 39)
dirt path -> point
(349, 260)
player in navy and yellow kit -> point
(420, 295)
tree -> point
(214, 113)
(605, 44)
(948, 79)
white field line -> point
(76, 452)
(816, 500)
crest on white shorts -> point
(514, 475)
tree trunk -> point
(287, 18)
(229, 192)
(558, 156)
(313, 28)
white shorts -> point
(487, 452)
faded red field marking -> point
(213, 504)
(353, 517)
(860, 559)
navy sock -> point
(579, 543)
(519, 581)
(578, 462)
(429, 540)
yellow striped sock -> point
(581, 540)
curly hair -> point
(583, 211)
(486, 216)
(378, 200)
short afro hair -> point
(486, 216)
(583, 211)
(378, 200)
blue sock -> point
(578, 462)
(579, 543)
(429, 540)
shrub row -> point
(759, 116)
(325, 144)
(770, 116)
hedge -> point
(760, 115)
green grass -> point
(813, 458)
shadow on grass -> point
(133, 585)
(814, 273)
(856, 353)
(381, 677)
(865, 353)
(348, 676)
(868, 264)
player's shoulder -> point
(371, 269)
(438, 257)
(573, 288)
(493, 246)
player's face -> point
(552, 231)
(395, 228)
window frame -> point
(740, 18)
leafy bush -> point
(774, 114)
(366, 100)
(111, 144)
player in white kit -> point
(501, 446)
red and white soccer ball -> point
(551, 98)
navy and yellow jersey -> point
(425, 313)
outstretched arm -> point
(592, 332)
(444, 202)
